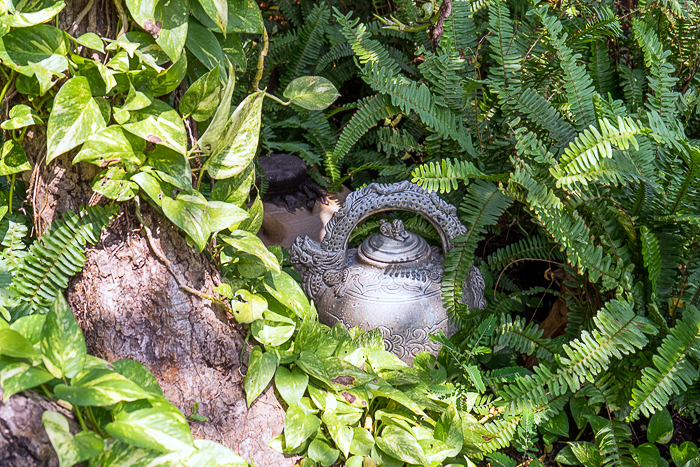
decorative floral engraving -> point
(407, 346)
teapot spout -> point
(312, 261)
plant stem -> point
(7, 86)
(199, 180)
(261, 61)
(277, 99)
(80, 418)
(12, 189)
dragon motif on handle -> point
(321, 265)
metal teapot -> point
(392, 281)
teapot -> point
(391, 282)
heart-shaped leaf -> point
(261, 369)
(311, 92)
(62, 341)
(251, 244)
(112, 145)
(298, 426)
(74, 117)
(159, 124)
(291, 384)
(202, 98)
(100, 387)
(70, 449)
(240, 141)
(160, 427)
(247, 306)
(18, 375)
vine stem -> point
(261, 61)
(79, 416)
(122, 17)
(7, 86)
(12, 189)
(168, 264)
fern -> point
(663, 100)
(369, 111)
(309, 44)
(410, 96)
(581, 161)
(367, 50)
(445, 175)
(47, 269)
(618, 332)
(577, 83)
(652, 256)
(13, 231)
(506, 52)
(482, 206)
(536, 246)
(601, 72)
(673, 371)
(525, 338)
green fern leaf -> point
(662, 100)
(445, 176)
(577, 83)
(45, 272)
(673, 370)
(410, 96)
(619, 331)
(309, 44)
(366, 49)
(370, 110)
(651, 254)
(482, 206)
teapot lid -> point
(394, 244)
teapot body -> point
(403, 301)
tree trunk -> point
(23, 440)
(130, 305)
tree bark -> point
(23, 440)
(129, 304)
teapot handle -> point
(402, 196)
(321, 264)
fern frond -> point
(482, 206)
(618, 332)
(613, 439)
(45, 272)
(369, 111)
(366, 49)
(577, 83)
(504, 48)
(673, 371)
(525, 338)
(444, 74)
(662, 100)
(394, 142)
(336, 53)
(410, 96)
(651, 254)
(13, 230)
(541, 112)
(309, 44)
(445, 176)
(583, 156)
(460, 31)
(602, 73)
(535, 246)
(633, 87)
